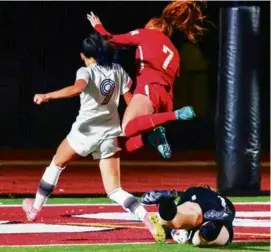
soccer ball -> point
(180, 235)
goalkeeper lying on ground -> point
(201, 216)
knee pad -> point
(167, 209)
(210, 231)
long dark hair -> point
(98, 48)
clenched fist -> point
(41, 98)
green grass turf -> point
(7, 201)
(236, 247)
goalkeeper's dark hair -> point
(94, 46)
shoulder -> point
(143, 32)
(189, 192)
(136, 32)
(118, 68)
(82, 70)
(83, 73)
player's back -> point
(100, 99)
(206, 198)
(158, 58)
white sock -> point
(140, 212)
(47, 184)
(40, 200)
(52, 173)
(128, 202)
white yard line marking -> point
(113, 204)
(252, 214)
(127, 163)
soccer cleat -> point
(185, 113)
(30, 211)
(151, 221)
(155, 197)
(158, 140)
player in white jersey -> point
(95, 131)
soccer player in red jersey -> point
(158, 65)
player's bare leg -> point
(141, 105)
(110, 171)
(49, 180)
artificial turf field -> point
(71, 224)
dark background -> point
(39, 52)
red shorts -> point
(162, 101)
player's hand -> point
(41, 98)
(94, 20)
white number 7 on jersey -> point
(169, 57)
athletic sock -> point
(47, 184)
(147, 122)
(128, 202)
(134, 143)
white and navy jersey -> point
(98, 114)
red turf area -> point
(15, 231)
(84, 179)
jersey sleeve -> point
(126, 82)
(100, 29)
(82, 74)
(130, 38)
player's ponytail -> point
(185, 16)
(98, 48)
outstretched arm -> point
(131, 38)
(66, 92)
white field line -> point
(113, 204)
(127, 163)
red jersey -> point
(157, 58)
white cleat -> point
(30, 211)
